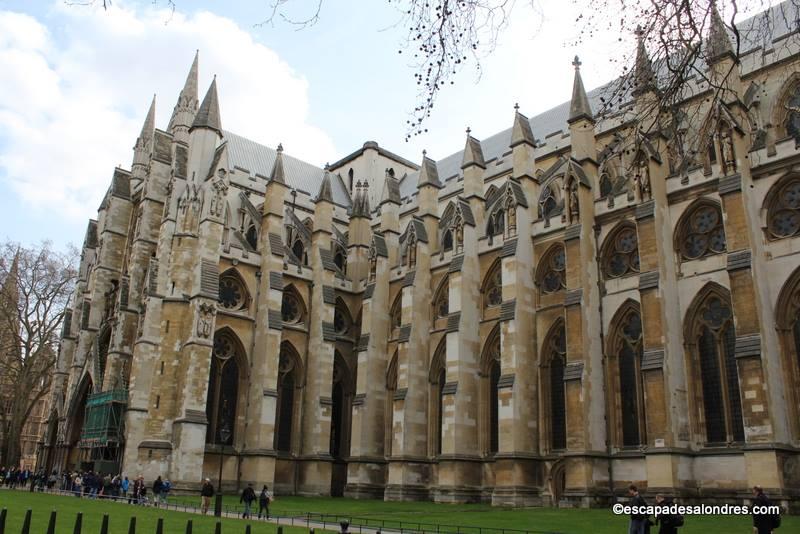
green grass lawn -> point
(566, 521)
(17, 502)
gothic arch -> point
(620, 251)
(626, 407)
(710, 339)
(100, 348)
(553, 360)
(293, 306)
(396, 315)
(787, 323)
(441, 299)
(291, 379)
(437, 376)
(781, 207)
(342, 391)
(700, 230)
(489, 372)
(342, 318)
(551, 269)
(391, 388)
(233, 291)
(788, 95)
(227, 391)
(77, 409)
(492, 286)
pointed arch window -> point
(438, 379)
(341, 395)
(391, 388)
(783, 212)
(223, 385)
(621, 254)
(447, 240)
(490, 376)
(702, 232)
(628, 350)
(288, 382)
(549, 205)
(340, 257)
(715, 339)
(552, 270)
(251, 236)
(396, 315)
(232, 293)
(341, 319)
(557, 354)
(493, 287)
(441, 302)
(292, 309)
(606, 185)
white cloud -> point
(73, 100)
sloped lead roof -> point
(257, 160)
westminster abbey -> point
(542, 318)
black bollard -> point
(247, 530)
(51, 526)
(280, 529)
(218, 528)
(104, 525)
(160, 526)
(78, 524)
(3, 514)
(26, 525)
(132, 527)
(189, 527)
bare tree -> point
(445, 36)
(35, 285)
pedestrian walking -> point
(638, 524)
(668, 523)
(158, 487)
(125, 486)
(206, 492)
(763, 522)
(263, 502)
(248, 496)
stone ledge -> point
(156, 444)
(645, 210)
(739, 260)
(573, 371)
(648, 280)
(572, 232)
(748, 346)
(730, 184)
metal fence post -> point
(189, 527)
(104, 525)
(51, 525)
(247, 530)
(160, 526)
(3, 514)
(132, 526)
(218, 528)
(78, 524)
(26, 525)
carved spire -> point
(473, 154)
(361, 201)
(391, 189)
(208, 114)
(579, 107)
(278, 174)
(149, 126)
(186, 106)
(643, 70)
(325, 189)
(719, 43)
(521, 132)
(428, 174)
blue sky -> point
(77, 83)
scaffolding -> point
(102, 432)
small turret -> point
(579, 107)
(208, 115)
(581, 119)
(144, 144)
(278, 174)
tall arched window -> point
(223, 387)
(340, 396)
(783, 208)
(621, 252)
(626, 348)
(251, 236)
(441, 301)
(437, 377)
(396, 315)
(490, 375)
(788, 109)
(556, 354)
(551, 272)
(289, 377)
(787, 321)
(391, 388)
(701, 232)
(713, 335)
(292, 308)
(493, 286)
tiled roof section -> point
(208, 114)
(516, 190)
(429, 174)
(325, 193)
(258, 161)
(509, 248)
(327, 260)
(521, 132)
(391, 190)
(90, 241)
(120, 185)
(473, 154)
(380, 245)
(456, 264)
(276, 280)
(419, 228)
(340, 236)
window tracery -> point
(441, 302)
(702, 233)
(223, 386)
(552, 276)
(783, 214)
(291, 308)
(557, 349)
(622, 253)
(493, 291)
(232, 294)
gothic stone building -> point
(556, 311)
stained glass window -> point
(286, 386)
(223, 386)
(622, 255)
(630, 355)
(232, 294)
(784, 212)
(703, 233)
(553, 277)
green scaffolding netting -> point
(103, 422)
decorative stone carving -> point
(205, 319)
(218, 191)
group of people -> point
(247, 498)
(763, 523)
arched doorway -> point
(558, 482)
(342, 390)
(77, 457)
